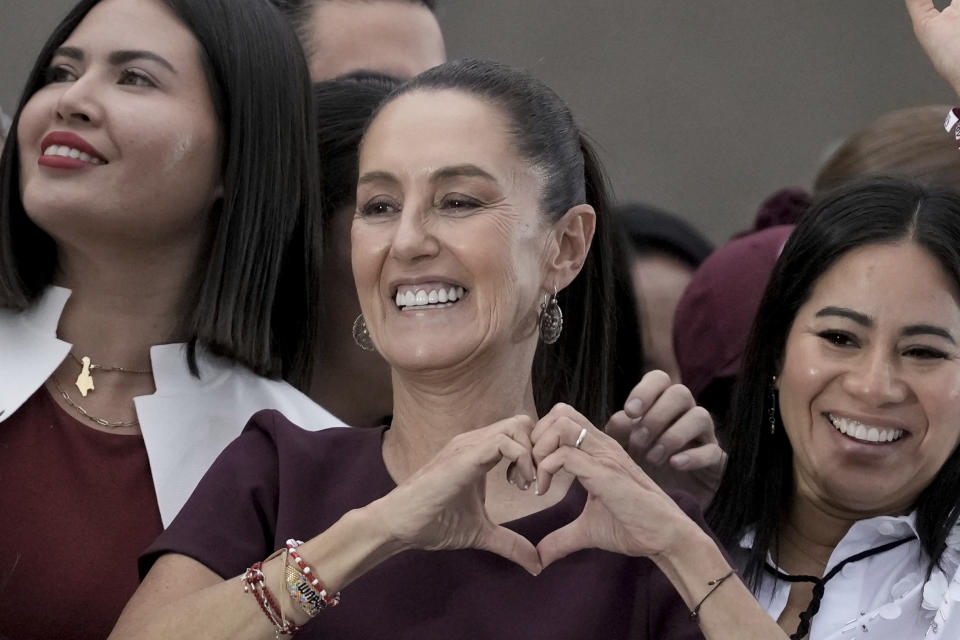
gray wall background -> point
(703, 108)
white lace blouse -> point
(882, 597)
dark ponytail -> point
(577, 369)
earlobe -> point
(573, 234)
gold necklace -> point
(84, 381)
(103, 422)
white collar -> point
(863, 534)
(171, 372)
(43, 315)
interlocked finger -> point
(558, 429)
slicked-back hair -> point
(758, 486)
(578, 368)
(252, 297)
(300, 15)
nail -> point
(634, 407)
(656, 454)
(680, 461)
(643, 434)
(537, 491)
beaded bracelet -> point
(310, 577)
(253, 582)
(715, 584)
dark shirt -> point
(77, 506)
(250, 502)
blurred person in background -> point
(4, 127)
(715, 314)
(400, 38)
(353, 383)
(665, 251)
(907, 143)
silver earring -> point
(551, 318)
(772, 412)
(361, 335)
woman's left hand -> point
(626, 512)
(670, 436)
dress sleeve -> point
(228, 522)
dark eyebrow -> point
(117, 57)
(843, 312)
(468, 170)
(928, 329)
(122, 57)
(866, 321)
(69, 52)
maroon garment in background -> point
(77, 506)
(277, 481)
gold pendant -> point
(85, 380)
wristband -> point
(254, 583)
(714, 585)
(309, 576)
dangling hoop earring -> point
(551, 318)
(772, 411)
(361, 335)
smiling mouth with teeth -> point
(864, 432)
(69, 152)
(431, 297)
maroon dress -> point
(277, 481)
(77, 506)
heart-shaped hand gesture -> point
(626, 512)
(441, 506)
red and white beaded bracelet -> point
(253, 582)
(329, 600)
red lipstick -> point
(72, 140)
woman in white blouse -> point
(842, 491)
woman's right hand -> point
(939, 34)
(441, 506)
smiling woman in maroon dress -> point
(470, 516)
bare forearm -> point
(181, 598)
(730, 612)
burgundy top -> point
(77, 507)
(248, 504)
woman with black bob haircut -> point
(840, 499)
(158, 260)
(479, 214)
